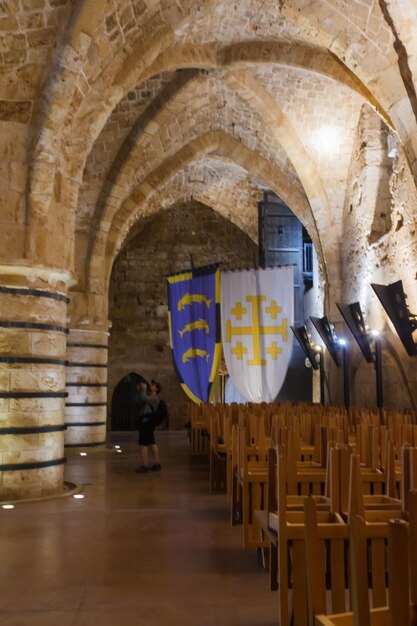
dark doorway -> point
(123, 410)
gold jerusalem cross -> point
(256, 330)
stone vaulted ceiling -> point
(113, 110)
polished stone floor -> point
(151, 549)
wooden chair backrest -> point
(398, 573)
(328, 560)
(320, 538)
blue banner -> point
(194, 328)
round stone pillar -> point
(86, 404)
(33, 315)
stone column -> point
(33, 315)
(86, 404)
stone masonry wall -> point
(380, 247)
(138, 295)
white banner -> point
(257, 310)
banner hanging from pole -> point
(257, 310)
(194, 328)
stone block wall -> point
(138, 294)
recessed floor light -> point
(83, 453)
(78, 496)
(118, 451)
(117, 447)
(7, 506)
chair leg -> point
(273, 567)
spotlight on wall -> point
(353, 316)
(393, 299)
(78, 496)
(303, 338)
(7, 506)
(326, 331)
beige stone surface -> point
(87, 394)
(85, 414)
(34, 454)
(18, 485)
(35, 404)
(27, 419)
(14, 446)
(96, 356)
(86, 375)
(85, 435)
(37, 378)
(32, 309)
(138, 293)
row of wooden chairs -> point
(242, 449)
(211, 427)
(283, 524)
(332, 472)
(374, 550)
(305, 470)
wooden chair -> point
(220, 433)
(366, 566)
(328, 561)
(249, 478)
(199, 429)
(400, 611)
(283, 524)
(354, 501)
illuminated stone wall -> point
(139, 339)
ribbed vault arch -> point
(212, 142)
(80, 90)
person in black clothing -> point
(148, 400)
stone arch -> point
(247, 53)
(206, 180)
(227, 146)
(282, 131)
(165, 38)
(161, 245)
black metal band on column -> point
(85, 445)
(87, 345)
(34, 326)
(37, 293)
(12, 467)
(81, 384)
(86, 404)
(15, 395)
(31, 430)
(32, 360)
(81, 424)
(74, 364)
